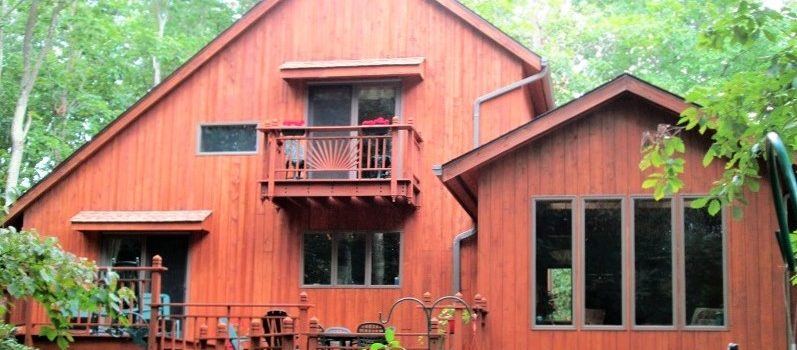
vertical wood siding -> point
(252, 251)
(599, 155)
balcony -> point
(304, 165)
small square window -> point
(228, 138)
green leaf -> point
(390, 334)
(650, 183)
(737, 212)
(708, 158)
(700, 202)
(378, 346)
(714, 207)
(62, 343)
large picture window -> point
(351, 259)
(603, 262)
(553, 251)
(703, 268)
(653, 302)
(674, 257)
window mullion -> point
(333, 280)
(368, 251)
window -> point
(703, 268)
(351, 259)
(351, 104)
(603, 262)
(675, 264)
(137, 251)
(553, 251)
(653, 289)
(228, 138)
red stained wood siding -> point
(251, 252)
(599, 155)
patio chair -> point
(370, 327)
(272, 324)
(331, 340)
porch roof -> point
(120, 220)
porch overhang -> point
(141, 221)
(406, 68)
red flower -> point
(293, 123)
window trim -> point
(576, 298)
(368, 262)
(682, 276)
(199, 151)
(674, 253)
(623, 262)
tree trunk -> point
(160, 9)
(20, 123)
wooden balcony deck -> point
(305, 164)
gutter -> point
(437, 169)
(457, 253)
(477, 104)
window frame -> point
(574, 265)
(624, 260)
(682, 320)
(229, 153)
(368, 260)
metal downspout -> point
(457, 253)
(477, 104)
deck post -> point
(155, 290)
(290, 334)
(271, 144)
(394, 152)
(255, 334)
(312, 336)
(435, 339)
(221, 336)
(408, 167)
(303, 308)
(203, 337)
(29, 322)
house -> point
(595, 262)
(207, 169)
(288, 167)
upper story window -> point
(676, 267)
(351, 104)
(351, 259)
(233, 138)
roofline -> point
(526, 133)
(491, 31)
(198, 60)
(140, 107)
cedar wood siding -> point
(252, 251)
(598, 154)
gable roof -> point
(460, 175)
(529, 58)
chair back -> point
(371, 327)
(337, 329)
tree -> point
(31, 64)
(738, 111)
(37, 268)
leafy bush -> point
(37, 267)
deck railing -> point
(383, 153)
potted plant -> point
(376, 121)
(293, 128)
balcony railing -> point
(342, 161)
